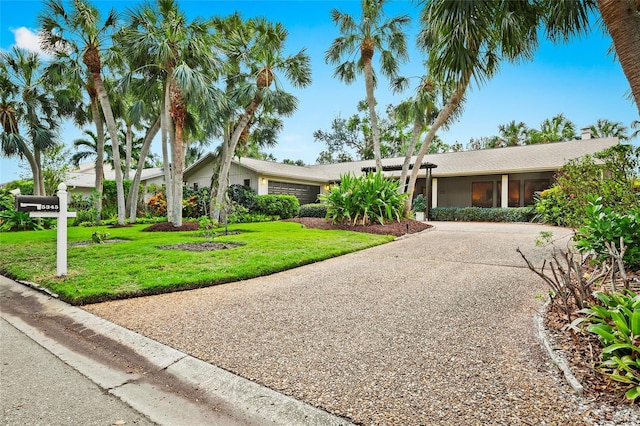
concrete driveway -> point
(436, 328)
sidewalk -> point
(36, 387)
(167, 386)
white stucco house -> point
(501, 177)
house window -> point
(247, 182)
(195, 186)
(531, 187)
(482, 194)
(514, 193)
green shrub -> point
(602, 226)
(284, 206)
(610, 174)
(243, 195)
(370, 197)
(241, 214)
(13, 220)
(195, 202)
(616, 322)
(313, 210)
(419, 203)
(25, 186)
(479, 214)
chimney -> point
(586, 133)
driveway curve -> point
(436, 328)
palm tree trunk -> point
(38, 179)
(371, 101)
(34, 171)
(227, 156)
(415, 135)
(178, 113)
(622, 18)
(97, 120)
(452, 104)
(167, 129)
(127, 151)
(132, 199)
(113, 133)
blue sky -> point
(579, 79)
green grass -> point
(137, 266)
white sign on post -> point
(44, 207)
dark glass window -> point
(482, 194)
(531, 187)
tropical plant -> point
(555, 129)
(369, 198)
(512, 133)
(27, 111)
(606, 233)
(361, 40)
(419, 203)
(616, 322)
(80, 31)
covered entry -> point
(306, 194)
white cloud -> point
(29, 40)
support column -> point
(434, 192)
(63, 200)
(505, 192)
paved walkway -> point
(434, 329)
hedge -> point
(284, 206)
(313, 210)
(479, 214)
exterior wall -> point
(457, 191)
(238, 175)
(201, 175)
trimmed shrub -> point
(479, 214)
(243, 195)
(313, 210)
(284, 206)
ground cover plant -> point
(137, 263)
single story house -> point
(82, 180)
(499, 177)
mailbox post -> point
(54, 207)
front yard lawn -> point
(132, 262)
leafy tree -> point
(80, 30)
(55, 165)
(27, 111)
(361, 40)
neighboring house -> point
(83, 179)
(499, 177)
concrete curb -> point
(242, 401)
(556, 358)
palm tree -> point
(255, 54)
(609, 129)
(555, 129)
(372, 33)
(27, 111)
(80, 31)
(467, 40)
(161, 37)
(635, 125)
(622, 20)
(69, 74)
(512, 133)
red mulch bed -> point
(168, 227)
(398, 229)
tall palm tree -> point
(27, 111)
(635, 125)
(160, 36)
(609, 129)
(555, 129)
(373, 33)
(467, 40)
(68, 73)
(255, 56)
(80, 31)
